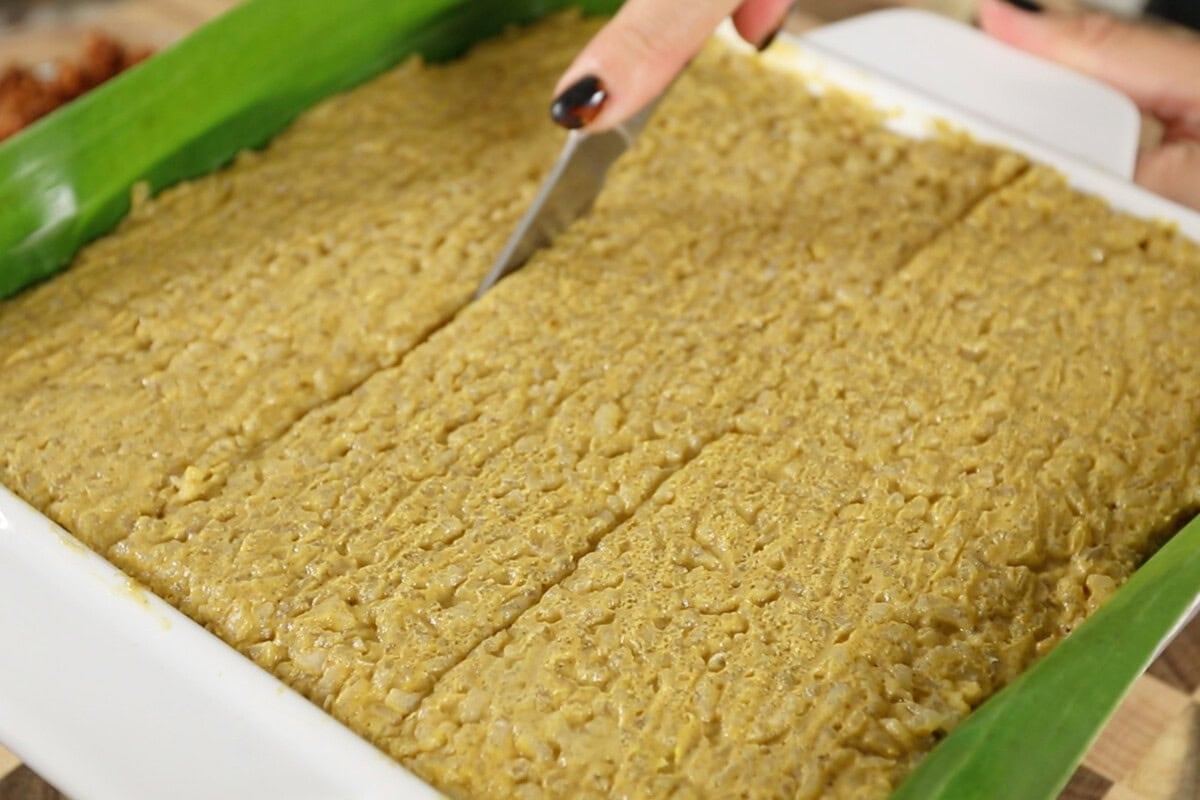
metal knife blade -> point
(567, 193)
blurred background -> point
(35, 30)
(52, 51)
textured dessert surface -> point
(227, 308)
(821, 595)
(805, 441)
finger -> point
(1155, 67)
(757, 21)
(1172, 171)
(633, 59)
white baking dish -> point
(110, 693)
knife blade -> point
(567, 193)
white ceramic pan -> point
(112, 694)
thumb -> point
(637, 55)
(1173, 171)
(1156, 67)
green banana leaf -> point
(242, 78)
(1026, 740)
(229, 86)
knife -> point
(567, 193)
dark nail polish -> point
(580, 103)
(1027, 5)
(770, 37)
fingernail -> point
(770, 37)
(1027, 5)
(579, 103)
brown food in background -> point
(24, 97)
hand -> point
(1158, 68)
(643, 48)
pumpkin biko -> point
(806, 440)
(891, 534)
(224, 310)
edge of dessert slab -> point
(67, 180)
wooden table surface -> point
(1151, 748)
